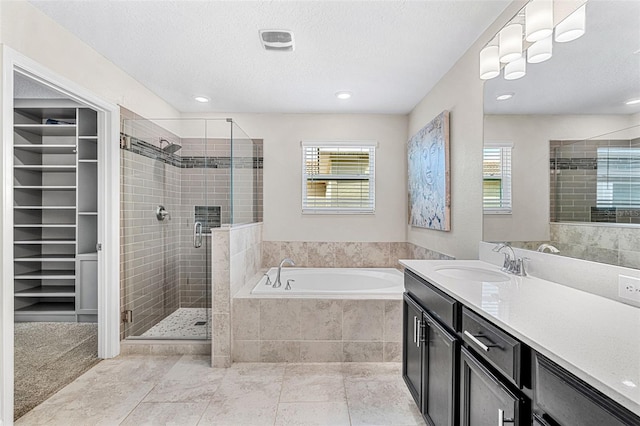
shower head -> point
(171, 147)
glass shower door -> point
(173, 186)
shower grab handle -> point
(197, 235)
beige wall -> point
(33, 34)
(530, 135)
(460, 92)
(282, 133)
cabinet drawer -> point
(571, 402)
(501, 350)
(438, 304)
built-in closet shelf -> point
(44, 242)
(55, 171)
(46, 258)
(44, 308)
(47, 149)
(53, 274)
(47, 167)
(45, 225)
(47, 129)
(46, 188)
(48, 291)
(44, 207)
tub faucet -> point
(277, 282)
(543, 247)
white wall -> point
(530, 135)
(460, 91)
(282, 133)
(32, 33)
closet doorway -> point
(59, 233)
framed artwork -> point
(429, 182)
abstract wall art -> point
(429, 186)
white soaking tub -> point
(332, 281)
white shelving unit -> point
(55, 211)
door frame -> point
(108, 217)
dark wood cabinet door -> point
(571, 402)
(484, 400)
(440, 388)
(412, 348)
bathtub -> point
(333, 281)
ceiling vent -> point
(281, 40)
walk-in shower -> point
(179, 179)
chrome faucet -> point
(549, 247)
(512, 263)
(277, 282)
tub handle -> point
(268, 279)
(288, 286)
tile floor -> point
(184, 390)
(181, 324)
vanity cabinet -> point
(430, 351)
(484, 397)
(560, 398)
(450, 384)
(463, 369)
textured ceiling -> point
(388, 53)
(594, 74)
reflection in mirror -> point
(597, 179)
(568, 120)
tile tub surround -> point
(324, 254)
(235, 254)
(316, 330)
(616, 245)
(185, 390)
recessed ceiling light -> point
(504, 97)
(343, 95)
(633, 101)
(201, 99)
(629, 383)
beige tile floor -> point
(184, 390)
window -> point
(338, 177)
(496, 179)
(618, 178)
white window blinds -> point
(496, 179)
(338, 177)
(618, 178)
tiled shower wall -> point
(149, 249)
(161, 270)
(573, 191)
(344, 254)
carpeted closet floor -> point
(49, 356)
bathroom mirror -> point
(573, 105)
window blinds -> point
(496, 182)
(338, 177)
(618, 177)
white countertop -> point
(595, 338)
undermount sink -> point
(470, 273)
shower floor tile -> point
(182, 325)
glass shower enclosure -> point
(179, 180)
